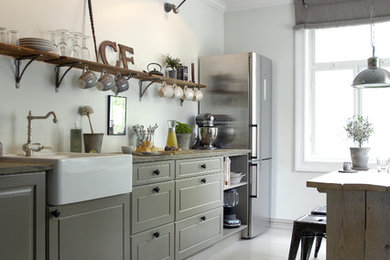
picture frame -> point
(117, 114)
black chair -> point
(305, 229)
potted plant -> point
(359, 129)
(92, 142)
(183, 134)
(173, 64)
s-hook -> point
(57, 70)
(18, 75)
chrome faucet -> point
(29, 147)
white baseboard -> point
(282, 223)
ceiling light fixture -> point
(171, 7)
(373, 76)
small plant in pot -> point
(173, 64)
(92, 142)
(183, 134)
(359, 129)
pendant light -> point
(373, 76)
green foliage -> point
(173, 63)
(359, 129)
(182, 128)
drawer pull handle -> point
(157, 189)
(204, 166)
(156, 172)
(156, 234)
(203, 180)
(203, 218)
(56, 213)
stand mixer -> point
(207, 132)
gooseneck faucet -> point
(29, 147)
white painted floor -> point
(272, 245)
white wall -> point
(141, 24)
(269, 31)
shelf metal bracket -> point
(18, 75)
(57, 70)
(142, 91)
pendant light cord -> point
(372, 28)
(92, 28)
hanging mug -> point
(198, 95)
(88, 79)
(166, 90)
(106, 81)
(188, 93)
(177, 91)
(121, 84)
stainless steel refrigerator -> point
(240, 85)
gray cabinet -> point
(196, 167)
(198, 194)
(153, 172)
(152, 206)
(22, 216)
(154, 244)
(96, 229)
(198, 232)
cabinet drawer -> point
(198, 232)
(152, 205)
(199, 194)
(194, 167)
(145, 173)
(154, 244)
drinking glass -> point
(75, 49)
(62, 45)
(4, 35)
(84, 52)
(13, 37)
(53, 39)
(382, 164)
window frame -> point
(304, 100)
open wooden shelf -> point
(51, 58)
(231, 231)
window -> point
(327, 60)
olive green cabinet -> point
(22, 216)
(96, 229)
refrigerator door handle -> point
(254, 145)
(254, 178)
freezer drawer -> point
(154, 244)
(198, 232)
(152, 205)
(196, 167)
(152, 172)
(199, 194)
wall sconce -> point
(171, 7)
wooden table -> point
(358, 214)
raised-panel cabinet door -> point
(97, 229)
(22, 217)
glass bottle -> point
(171, 140)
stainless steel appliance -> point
(239, 85)
(207, 132)
(230, 202)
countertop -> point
(190, 154)
(18, 167)
(370, 180)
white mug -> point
(166, 90)
(177, 91)
(198, 95)
(188, 93)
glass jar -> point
(171, 139)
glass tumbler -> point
(382, 164)
(13, 37)
(4, 35)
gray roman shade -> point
(333, 13)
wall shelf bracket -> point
(57, 70)
(141, 90)
(18, 75)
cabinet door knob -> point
(157, 189)
(156, 234)
(203, 180)
(203, 218)
(204, 166)
(56, 213)
(156, 172)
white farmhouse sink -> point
(80, 176)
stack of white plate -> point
(37, 43)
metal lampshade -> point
(373, 76)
